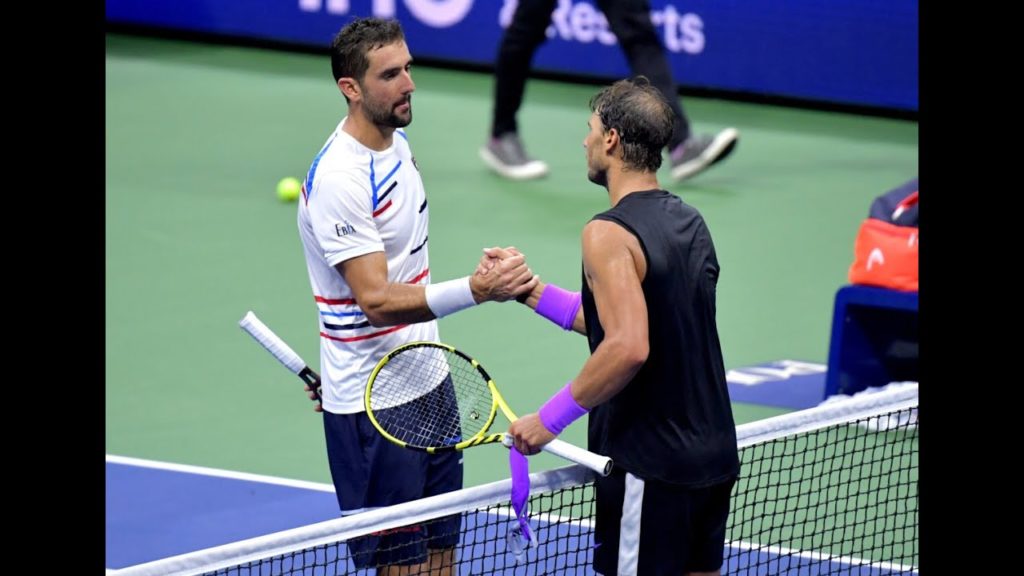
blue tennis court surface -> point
(156, 510)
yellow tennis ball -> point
(288, 189)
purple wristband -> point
(559, 305)
(561, 410)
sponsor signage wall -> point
(858, 52)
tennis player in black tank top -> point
(654, 385)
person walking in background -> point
(630, 20)
(654, 385)
(362, 221)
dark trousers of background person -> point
(629, 20)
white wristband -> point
(449, 297)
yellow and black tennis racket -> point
(429, 396)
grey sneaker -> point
(700, 151)
(506, 156)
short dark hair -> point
(642, 117)
(354, 42)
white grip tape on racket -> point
(600, 464)
(259, 331)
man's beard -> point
(387, 117)
(599, 177)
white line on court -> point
(189, 469)
(779, 551)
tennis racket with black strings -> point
(432, 397)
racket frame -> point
(600, 464)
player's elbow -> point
(636, 354)
(632, 352)
(373, 307)
(377, 320)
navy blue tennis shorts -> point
(658, 529)
(370, 472)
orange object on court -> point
(885, 254)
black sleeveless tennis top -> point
(673, 422)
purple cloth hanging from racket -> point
(520, 537)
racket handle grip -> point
(600, 464)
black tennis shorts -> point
(653, 528)
(370, 472)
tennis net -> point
(829, 490)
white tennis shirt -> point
(356, 201)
